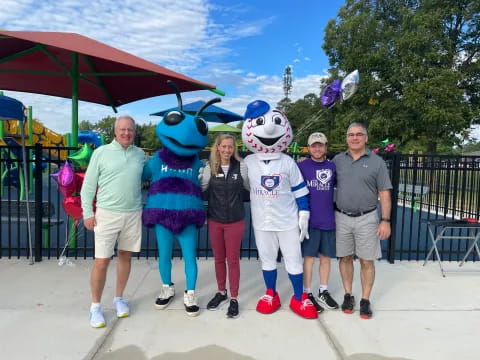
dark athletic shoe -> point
(315, 303)
(217, 301)
(348, 304)
(365, 310)
(326, 300)
(232, 311)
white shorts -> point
(268, 243)
(112, 226)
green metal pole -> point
(74, 134)
(75, 76)
(30, 142)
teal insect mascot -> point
(174, 206)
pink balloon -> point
(390, 147)
(68, 190)
(66, 175)
(376, 150)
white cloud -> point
(296, 60)
(182, 36)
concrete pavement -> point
(417, 315)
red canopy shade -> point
(74, 66)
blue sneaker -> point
(96, 317)
(122, 307)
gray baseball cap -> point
(317, 137)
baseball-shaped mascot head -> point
(266, 131)
(182, 133)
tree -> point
(420, 78)
(85, 125)
(146, 138)
(303, 116)
(105, 128)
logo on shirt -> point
(324, 176)
(270, 182)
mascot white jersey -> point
(279, 204)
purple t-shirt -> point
(320, 178)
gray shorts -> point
(358, 236)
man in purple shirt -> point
(320, 176)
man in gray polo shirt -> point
(362, 179)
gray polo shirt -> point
(358, 181)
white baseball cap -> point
(317, 137)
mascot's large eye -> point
(202, 126)
(279, 120)
(173, 118)
(258, 121)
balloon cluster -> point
(387, 146)
(337, 90)
(340, 90)
(70, 181)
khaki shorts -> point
(358, 236)
(112, 226)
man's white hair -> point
(124, 117)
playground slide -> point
(40, 134)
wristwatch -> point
(385, 219)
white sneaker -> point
(96, 317)
(166, 295)
(191, 303)
(122, 307)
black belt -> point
(355, 214)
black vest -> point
(225, 195)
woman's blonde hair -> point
(215, 155)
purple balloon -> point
(65, 174)
(55, 176)
(331, 94)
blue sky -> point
(242, 47)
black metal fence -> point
(426, 187)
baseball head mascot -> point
(174, 204)
(279, 204)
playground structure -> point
(10, 136)
(37, 133)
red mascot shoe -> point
(304, 308)
(268, 303)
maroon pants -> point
(226, 240)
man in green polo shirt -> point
(362, 179)
(113, 178)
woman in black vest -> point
(225, 177)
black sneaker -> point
(315, 303)
(348, 303)
(365, 310)
(191, 303)
(217, 300)
(166, 295)
(326, 300)
(232, 311)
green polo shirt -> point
(114, 175)
(359, 181)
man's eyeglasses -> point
(350, 135)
